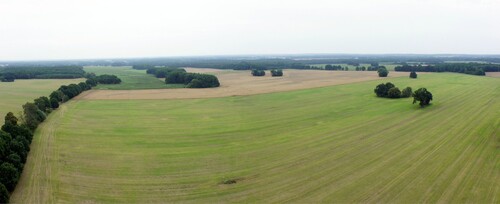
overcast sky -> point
(76, 29)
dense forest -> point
(192, 80)
(466, 68)
(35, 72)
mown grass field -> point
(131, 78)
(333, 144)
(15, 94)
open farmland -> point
(237, 83)
(131, 78)
(331, 144)
(15, 94)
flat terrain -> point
(131, 79)
(337, 144)
(15, 94)
(237, 83)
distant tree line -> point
(142, 66)
(16, 134)
(9, 74)
(466, 68)
(192, 80)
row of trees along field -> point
(9, 74)
(17, 133)
(466, 68)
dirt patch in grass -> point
(493, 74)
(237, 83)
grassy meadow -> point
(15, 94)
(131, 78)
(332, 144)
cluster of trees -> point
(389, 90)
(276, 72)
(258, 72)
(9, 74)
(192, 80)
(101, 79)
(382, 72)
(360, 68)
(16, 134)
(162, 72)
(466, 68)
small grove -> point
(389, 90)
(274, 72)
(16, 133)
(180, 76)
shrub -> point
(413, 75)
(394, 92)
(423, 96)
(381, 90)
(406, 92)
(382, 72)
(276, 72)
(257, 72)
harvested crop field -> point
(237, 83)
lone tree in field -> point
(258, 72)
(394, 92)
(276, 72)
(382, 72)
(423, 96)
(413, 75)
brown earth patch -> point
(237, 83)
(493, 74)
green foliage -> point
(406, 92)
(333, 67)
(413, 75)
(4, 194)
(33, 115)
(15, 160)
(382, 72)
(108, 79)
(258, 72)
(54, 103)
(143, 66)
(8, 175)
(423, 96)
(43, 103)
(394, 92)
(466, 68)
(41, 72)
(91, 82)
(276, 72)
(57, 95)
(202, 80)
(162, 72)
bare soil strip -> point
(238, 83)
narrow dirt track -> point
(238, 83)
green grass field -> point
(333, 144)
(15, 94)
(131, 79)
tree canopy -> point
(422, 96)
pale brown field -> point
(493, 74)
(237, 83)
